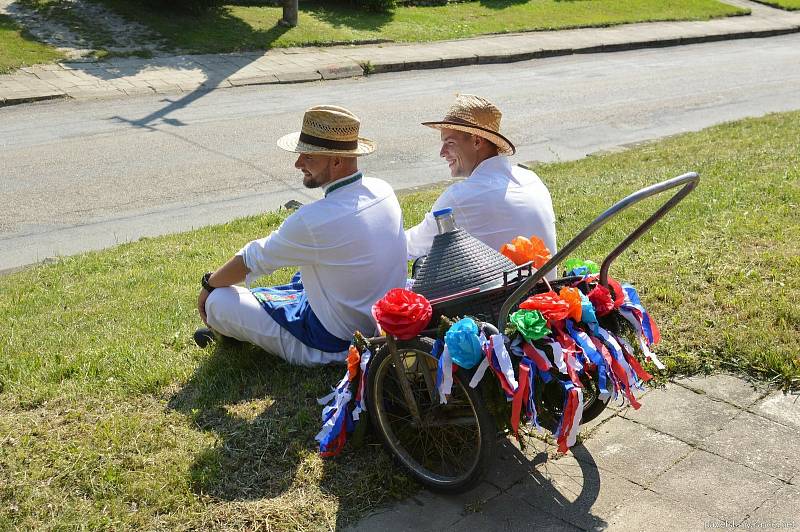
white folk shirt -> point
(350, 249)
(495, 204)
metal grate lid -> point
(458, 261)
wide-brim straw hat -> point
(478, 116)
(328, 130)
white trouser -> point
(234, 311)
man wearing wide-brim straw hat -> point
(497, 201)
(349, 246)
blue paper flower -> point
(463, 343)
(587, 312)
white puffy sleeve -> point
(420, 237)
(292, 244)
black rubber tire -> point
(595, 408)
(379, 405)
(550, 401)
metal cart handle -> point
(689, 181)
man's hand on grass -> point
(201, 305)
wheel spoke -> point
(448, 442)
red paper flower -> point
(550, 304)
(601, 300)
(402, 313)
(617, 292)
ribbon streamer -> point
(336, 420)
(444, 375)
(568, 427)
(361, 402)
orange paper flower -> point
(522, 250)
(353, 361)
(573, 297)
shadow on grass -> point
(341, 14)
(264, 414)
(503, 4)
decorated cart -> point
(483, 341)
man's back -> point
(351, 249)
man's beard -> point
(316, 181)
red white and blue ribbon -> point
(361, 400)
(647, 332)
(568, 427)
(444, 370)
(589, 350)
(337, 420)
(499, 361)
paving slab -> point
(726, 388)
(682, 413)
(510, 513)
(716, 486)
(758, 443)
(781, 407)
(780, 512)
(341, 71)
(297, 77)
(576, 491)
(261, 79)
(512, 463)
(427, 511)
(648, 511)
(619, 445)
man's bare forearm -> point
(232, 272)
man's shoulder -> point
(377, 186)
(323, 211)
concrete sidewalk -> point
(703, 453)
(197, 73)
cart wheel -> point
(449, 449)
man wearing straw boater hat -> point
(497, 201)
(349, 246)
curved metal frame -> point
(689, 182)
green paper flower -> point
(581, 267)
(530, 324)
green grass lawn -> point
(18, 50)
(791, 5)
(112, 418)
(234, 28)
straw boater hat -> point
(328, 130)
(477, 116)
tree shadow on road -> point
(216, 69)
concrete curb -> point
(306, 65)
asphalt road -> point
(87, 175)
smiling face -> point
(464, 151)
(317, 169)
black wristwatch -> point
(205, 283)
